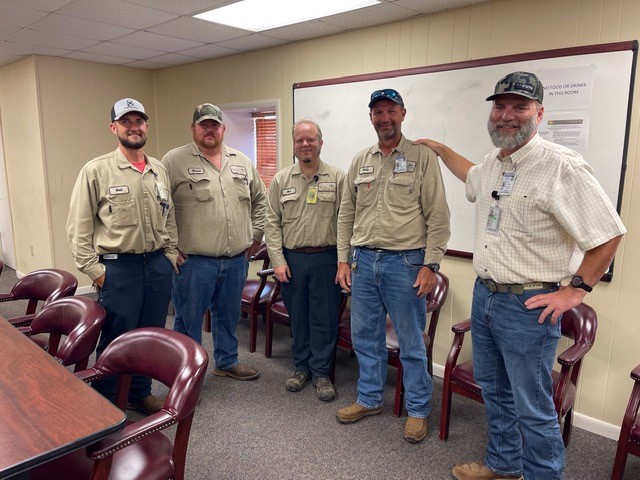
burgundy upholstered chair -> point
(629, 440)
(44, 285)
(253, 302)
(578, 324)
(73, 325)
(141, 451)
(435, 301)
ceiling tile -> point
(433, 6)
(40, 5)
(53, 40)
(18, 17)
(24, 49)
(116, 12)
(174, 59)
(147, 64)
(369, 16)
(197, 30)
(254, 41)
(7, 32)
(301, 31)
(115, 50)
(183, 8)
(7, 59)
(209, 51)
(63, 24)
(156, 41)
(96, 57)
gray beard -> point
(512, 142)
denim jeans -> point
(215, 284)
(513, 356)
(382, 283)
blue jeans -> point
(382, 283)
(215, 284)
(513, 356)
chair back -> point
(44, 285)
(578, 324)
(261, 254)
(435, 300)
(79, 320)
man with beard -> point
(537, 206)
(394, 216)
(302, 215)
(220, 208)
(123, 236)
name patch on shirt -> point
(192, 170)
(288, 191)
(366, 170)
(238, 170)
(327, 186)
(119, 190)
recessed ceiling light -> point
(259, 15)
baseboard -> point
(579, 420)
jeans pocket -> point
(414, 258)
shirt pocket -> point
(124, 212)
(288, 204)
(326, 204)
(401, 190)
(241, 183)
(365, 195)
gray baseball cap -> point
(525, 84)
(207, 111)
(126, 105)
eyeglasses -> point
(385, 93)
(126, 122)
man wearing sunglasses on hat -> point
(395, 219)
(540, 213)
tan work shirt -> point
(116, 209)
(299, 217)
(218, 213)
(395, 203)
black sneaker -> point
(296, 381)
(324, 389)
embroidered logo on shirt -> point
(119, 190)
(368, 169)
(199, 170)
(327, 186)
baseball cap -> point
(207, 111)
(386, 94)
(525, 84)
(127, 105)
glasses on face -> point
(127, 122)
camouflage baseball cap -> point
(525, 84)
(207, 111)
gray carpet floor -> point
(258, 430)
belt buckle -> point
(491, 286)
(532, 286)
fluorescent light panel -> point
(259, 15)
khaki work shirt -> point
(218, 213)
(116, 209)
(296, 218)
(394, 204)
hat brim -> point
(383, 97)
(210, 117)
(521, 94)
(129, 110)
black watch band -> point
(434, 267)
(578, 282)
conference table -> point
(45, 410)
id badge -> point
(508, 179)
(161, 192)
(493, 220)
(312, 195)
(401, 164)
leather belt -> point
(244, 252)
(517, 288)
(313, 249)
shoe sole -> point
(369, 413)
(415, 440)
(224, 373)
(327, 399)
(296, 388)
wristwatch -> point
(434, 267)
(578, 282)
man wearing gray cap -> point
(537, 206)
(220, 211)
(122, 233)
(395, 218)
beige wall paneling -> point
(25, 164)
(481, 30)
(589, 26)
(612, 19)
(441, 29)
(517, 27)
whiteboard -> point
(447, 103)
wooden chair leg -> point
(207, 321)
(253, 331)
(268, 337)
(399, 402)
(445, 411)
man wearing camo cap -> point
(541, 217)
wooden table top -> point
(45, 410)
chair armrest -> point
(462, 327)
(23, 321)
(573, 354)
(635, 373)
(6, 297)
(265, 273)
(88, 375)
(131, 433)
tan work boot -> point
(478, 471)
(355, 412)
(415, 430)
(239, 372)
(146, 405)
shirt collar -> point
(401, 147)
(523, 152)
